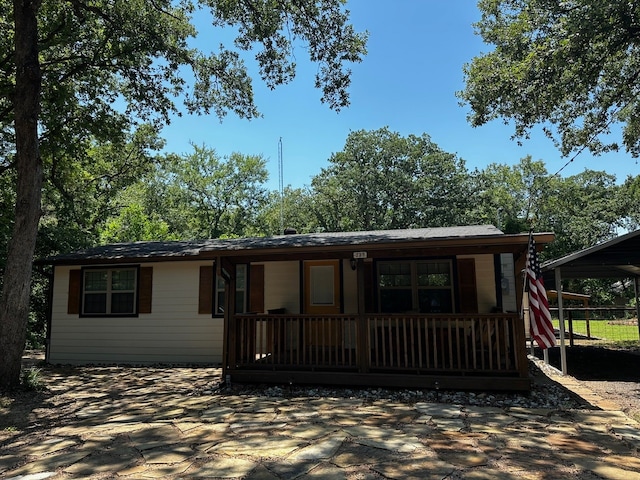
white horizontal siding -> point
(173, 332)
(485, 281)
(282, 286)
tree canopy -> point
(572, 67)
(382, 180)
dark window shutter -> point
(75, 284)
(205, 296)
(467, 285)
(145, 289)
(256, 289)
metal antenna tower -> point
(281, 185)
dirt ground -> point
(612, 372)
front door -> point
(322, 287)
(322, 297)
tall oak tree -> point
(75, 71)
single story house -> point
(423, 308)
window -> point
(424, 286)
(110, 291)
(241, 289)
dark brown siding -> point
(75, 284)
(146, 287)
(205, 297)
(467, 285)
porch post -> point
(362, 333)
(563, 351)
(637, 294)
(229, 311)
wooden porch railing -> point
(454, 344)
(451, 343)
(296, 341)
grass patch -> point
(604, 329)
(31, 379)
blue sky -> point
(407, 82)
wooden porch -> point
(446, 351)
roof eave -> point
(483, 243)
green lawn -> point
(603, 329)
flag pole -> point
(540, 323)
(525, 281)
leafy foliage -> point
(31, 379)
(192, 196)
(384, 181)
(219, 196)
(295, 208)
(581, 210)
(509, 196)
(571, 66)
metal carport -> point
(616, 258)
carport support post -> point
(563, 352)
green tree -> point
(77, 70)
(213, 196)
(294, 209)
(382, 180)
(509, 196)
(630, 198)
(80, 191)
(572, 67)
(133, 224)
(582, 210)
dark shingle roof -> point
(615, 258)
(189, 249)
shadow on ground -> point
(592, 363)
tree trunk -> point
(14, 301)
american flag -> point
(539, 316)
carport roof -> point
(619, 257)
